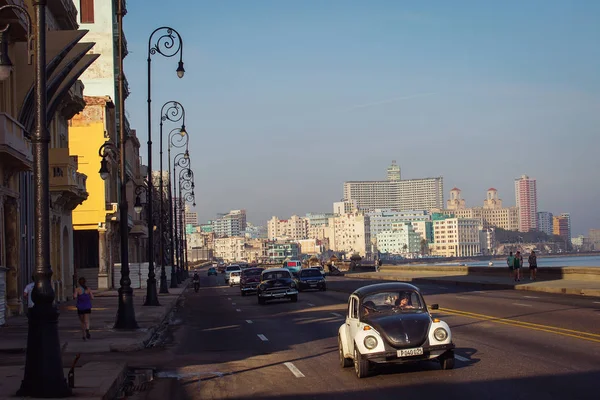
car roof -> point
(233, 266)
(254, 269)
(380, 287)
(310, 269)
(276, 270)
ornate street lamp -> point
(177, 139)
(167, 44)
(44, 374)
(186, 183)
(181, 160)
(171, 111)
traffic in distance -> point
(385, 323)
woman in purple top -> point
(84, 297)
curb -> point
(141, 344)
(542, 289)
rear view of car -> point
(293, 266)
(229, 269)
(234, 278)
(212, 271)
(249, 280)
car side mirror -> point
(435, 307)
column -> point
(103, 260)
(11, 249)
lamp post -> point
(186, 182)
(182, 160)
(167, 44)
(176, 140)
(171, 111)
(43, 375)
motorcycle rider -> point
(196, 281)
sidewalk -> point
(95, 379)
(561, 286)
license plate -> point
(279, 294)
(418, 351)
(312, 284)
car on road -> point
(249, 280)
(234, 278)
(212, 271)
(390, 323)
(276, 283)
(311, 278)
(229, 269)
(293, 266)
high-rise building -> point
(455, 237)
(393, 172)
(545, 222)
(191, 218)
(526, 199)
(231, 224)
(294, 228)
(350, 233)
(561, 226)
(396, 194)
(594, 238)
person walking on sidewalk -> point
(84, 297)
(27, 294)
(532, 266)
(517, 266)
(510, 261)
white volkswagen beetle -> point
(390, 323)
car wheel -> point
(344, 362)
(324, 288)
(447, 360)
(361, 365)
(294, 298)
(242, 292)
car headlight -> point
(440, 334)
(370, 342)
(292, 285)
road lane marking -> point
(233, 304)
(592, 337)
(337, 315)
(596, 302)
(310, 304)
(238, 310)
(262, 337)
(522, 305)
(531, 297)
(461, 297)
(249, 321)
(461, 358)
(479, 291)
(294, 370)
(442, 287)
(229, 298)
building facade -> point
(231, 224)
(278, 251)
(526, 200)
(401, 240)
(294, 228)
(17, 121)
(545, 222)
(350, 233)
(561, 226)
(455, 237)
(230, 249)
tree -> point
(424, 247)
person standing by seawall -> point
(510, 261)
(532, 266)
(84, 297)
(517, 266)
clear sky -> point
(286, 100)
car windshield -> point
(276, 275)
(310, 273)
(252, 272)
(392, 302)
(232, 268)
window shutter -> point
(86, 9)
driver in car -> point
(368, 307)
(403, 302)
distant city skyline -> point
(288, 100)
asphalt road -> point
(510, 345)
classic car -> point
(311, 278)
(229, 269)
(276, 283)
(293, 266)
(234, 278)
(249, 280)
(212, 271)
(390, 323)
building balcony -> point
(73, 102)
(15, 148)
(67, 186)
(65, 13)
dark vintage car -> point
(249, 280)
(277, 283)
(390, 323)
(311, 278)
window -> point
(86, 10)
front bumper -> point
(429, 352)
(249, 287)
(278, 295)
(311, 285)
